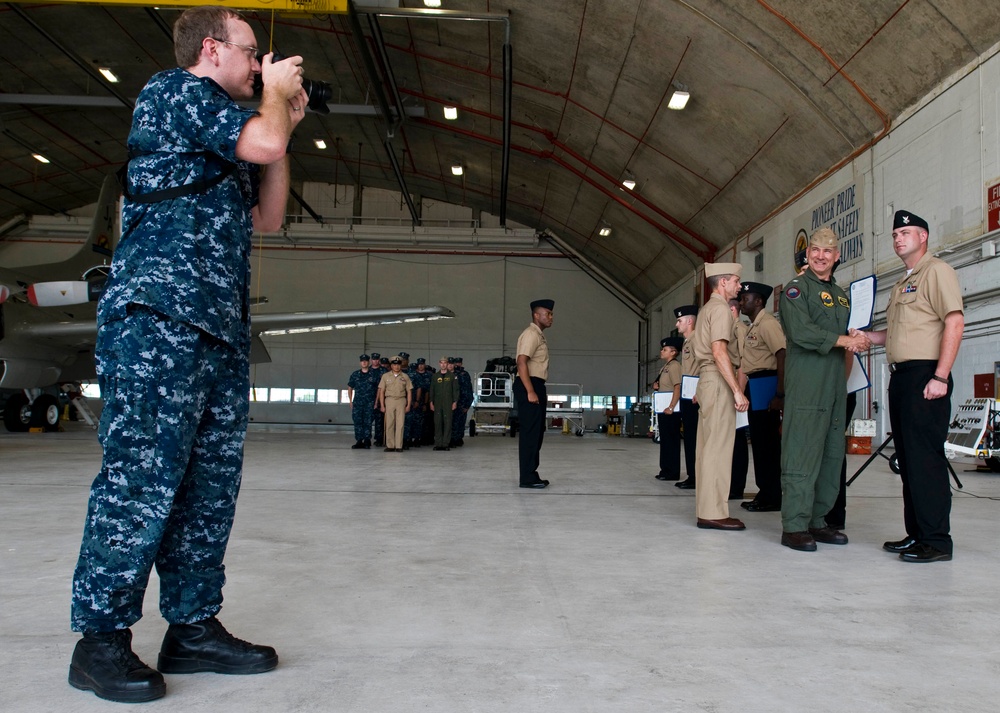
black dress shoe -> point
(388, 450)
(921, 552)
(357, 446)
(828, 535)
(207, 646)
(685, 484)
(105, 664)
(758, 506)
(899, 545)
(536, 486)
(801, 541)
(726, 523)
(663, 476)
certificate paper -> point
(857, 380)
(862, 294)
(689, 384)
(661, 401)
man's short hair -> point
(194, 25)
(714, 281)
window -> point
(601, 402)
(92, 391)
(258, 395)
(579, 402)
(327, 396)
(344, 398)
(305, 396)
(281, 396)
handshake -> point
(856, 341)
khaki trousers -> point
(714, 455)
(395, 414)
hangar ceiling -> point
(781, 92)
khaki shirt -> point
(739, 334)
(395, 386)
(669, 377)
(763, 341)
(532, 344)
(918, 304)
(715, 323)
(687, 358)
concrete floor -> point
(427, 581)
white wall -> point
(593, 341)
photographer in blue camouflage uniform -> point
(173, 357)
(466, 395)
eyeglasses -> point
(251, 51)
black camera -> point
(319, 93)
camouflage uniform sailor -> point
(380, 365)
(421, 379)
(173, 358)
(362, 387)
(465, 398)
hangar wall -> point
(937, 162)
(593, 342)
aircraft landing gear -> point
(17, 413)
(45, 413)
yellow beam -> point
(312, 7)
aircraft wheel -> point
(579, 432)
(894, 464)
(994, 463)
(45, 413)
(17, 414)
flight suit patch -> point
(793, 293)
(843, 302)
(827, 299)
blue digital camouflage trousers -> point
(173, 426)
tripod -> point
(895, 469)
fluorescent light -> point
(451, 113)
(109, 75)
(432, 3)
(629, 181)
(456, 170)
(605, 231)
(319, 143)
(678, 100)
(41, 159)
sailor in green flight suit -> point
(814, 312)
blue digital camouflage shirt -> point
(188, 257)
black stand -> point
(878, 452)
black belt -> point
(912, 364)
(762, 373)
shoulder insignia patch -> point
(793, 293)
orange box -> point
(859, 445)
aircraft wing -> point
(302, 322)
(39, 349)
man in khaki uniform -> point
(764, 358)
(923, 332)
(719, 395)
(741, 453)
(529, 392)
(394, 394)
(686, 319)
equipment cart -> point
(493, 405)
(566, 411)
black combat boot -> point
(368, 443)
(360, 444)
(207, 646)
(105, 664)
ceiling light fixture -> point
(605, 231)
(432, 3)
(457, 170)
(41, 159)
(319, 143)
(629, 180)
(109, 75)
(451, 113)
(680, 97)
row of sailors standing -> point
(402, 405)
